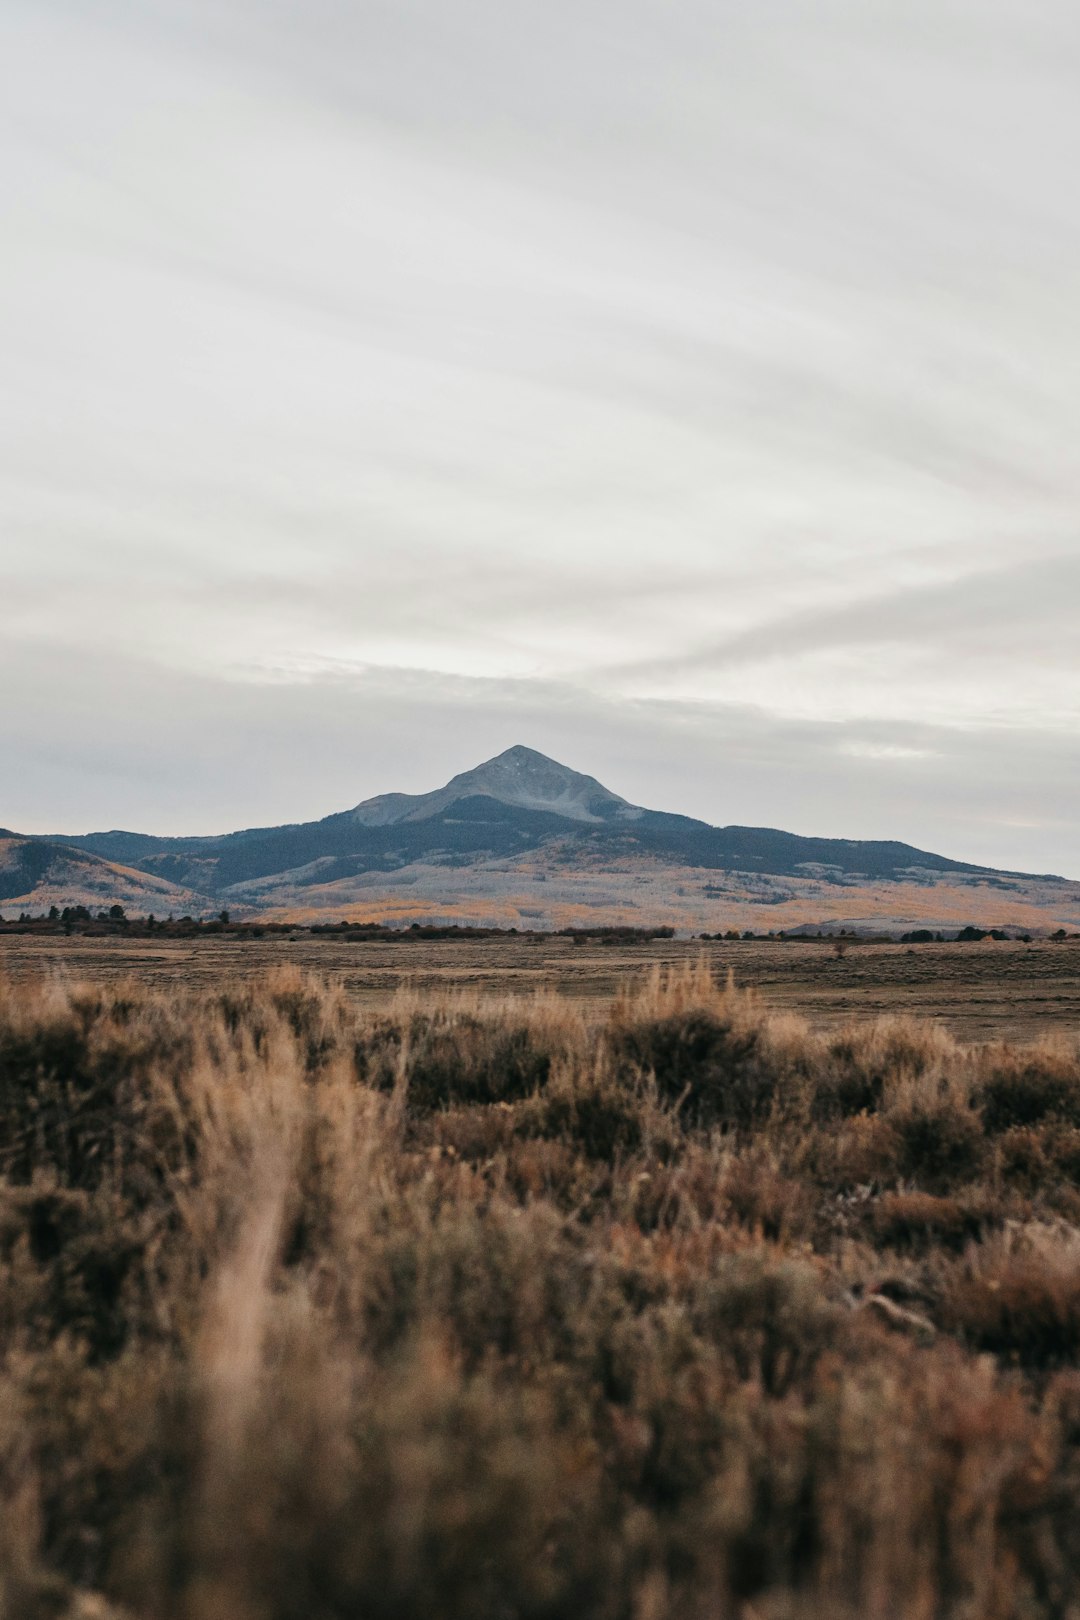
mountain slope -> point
(38, 873)
(479, 845)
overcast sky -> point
(691, 391)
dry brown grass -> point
(478, 1308)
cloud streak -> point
(1024, 611)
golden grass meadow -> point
(470, 1306)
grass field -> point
(328, 1296)
(980, 992)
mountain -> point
(522, 839)
(36, 873)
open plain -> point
(992, 990)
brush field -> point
(991, 990)
(321, 1298)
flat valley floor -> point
(985, 991)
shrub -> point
(920, 1221)
(860, 1063)
(703, 1063)
(1026, 1089)
(1018, 1296)
(938, 1144)
(456, 1058)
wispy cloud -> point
(1021, 612)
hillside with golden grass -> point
(644, 892)
(479, 1308)
(36, 874)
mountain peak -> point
(519, 776)
(520, 751)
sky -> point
(691, 392)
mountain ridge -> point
(493, 832)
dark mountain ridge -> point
(518, 802)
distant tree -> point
(117, 914)
(223, 917)
(54, 913)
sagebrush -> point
(481, 1309)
